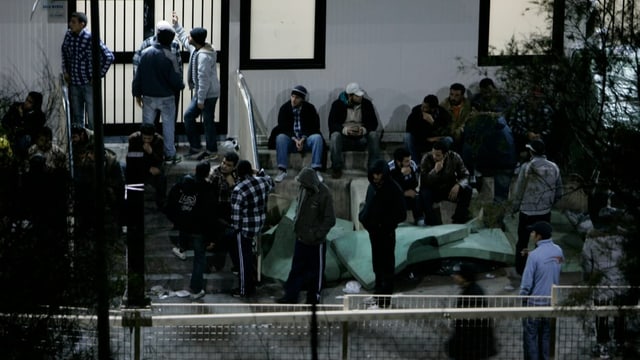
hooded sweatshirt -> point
(384, 206)
(315, 214)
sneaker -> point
(236, 293)
(197, 295)
(373, 307)
(420, 222)
(320, 178)
(182, 255)
(604, 352)
(281, 175)
(173, 159)
(509, 287)
(207, 156)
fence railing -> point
(414, 327)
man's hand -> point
(453, 194)
(299, 144)
(147, 148)
(154, 171)
(411, 193)
(438, 166)
(201, 106)
(139, 101)
(427, 117)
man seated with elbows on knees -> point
(352, 124)
(298, 130)
(444, 177)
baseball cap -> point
(354, 88)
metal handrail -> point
(248, 106)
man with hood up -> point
(314, 218)
(383, 210)
(202, 78)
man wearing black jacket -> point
(352, 125)
(298, 130)
(383, 210)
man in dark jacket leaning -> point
(314, 218)
(383, 210)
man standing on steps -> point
(203, 80)
(248, 213)
(537, 188)
(314, 218)
(383, 210)
(155, 84)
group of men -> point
(157, 83)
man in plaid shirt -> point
(248, 213)
(77, 69)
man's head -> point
(202, 170)
(229, 162)
(439, 150)
(147, 131)
(244, 168)
(164, 33)
(298, 95)
(378, 171)
(429, 103)
(33, 101)
(77, 22)
(456, 94)
(536, 147)
(402, 157)
(78, 134)
(198, 36)
(44, 137)
(354, 93)
(541, 230)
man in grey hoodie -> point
(203, 80)
(314, 218)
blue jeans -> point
(340, 142)
(208, 117)
(166, 106)
(536, 338)
(81, 101)
(501, 184)
(416, 148)
(285, 146)
(199, 261)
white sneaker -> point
(182, 255)
(197, 296)
(509, 287)
(320, 178)
(281, 175)
(373, 307)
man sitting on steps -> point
(352, 124)
(298, 130)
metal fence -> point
(414, 327)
